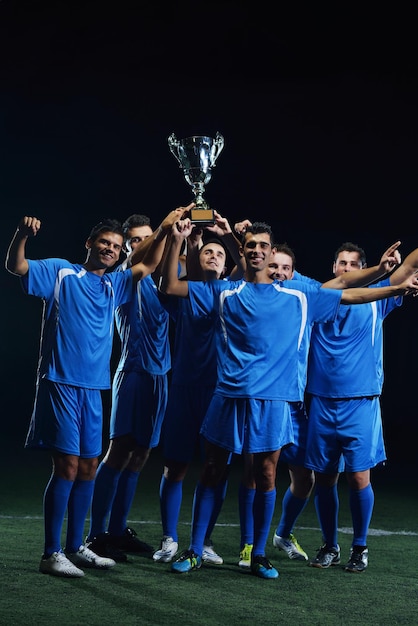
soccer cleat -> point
(129, 542)
(102, 545)
(245, 555)
(167, 551)
(326, 557)
(84, 557)
(58, 565)
(358, 561)
(261, 567)
(209, 555)
(187, 561)
(290, 546)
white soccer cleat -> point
(58, 565)
(290, 546)
(84, 557)
(209, 555)
(167, 551)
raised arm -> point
(193, 244)
(16, 262)
(407, 268)
(150, 260)
(223, 230)
(241, 227)
(170, 283)
(365, 276)
(141, 249)
(360, 295)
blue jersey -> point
(306, 279)
(261, 331)
(78, 320)
(304, 348)
(193, 379)
(346, 355)
(194, 353)
(143, 325)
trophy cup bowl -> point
(196, 156)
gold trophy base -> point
(202, 216)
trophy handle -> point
(173, 144)
(218, 144)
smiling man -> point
(263, 325)
(74, 366)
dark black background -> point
(318, 108)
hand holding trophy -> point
(197, 156)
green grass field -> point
(142, 592)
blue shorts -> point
(187, 406)
(66, 419)
(294, 454)
(348, 430)
(247, 425)
(139, 401)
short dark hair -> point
(107, 225)
(135, 220)
(286, 249)
(213, 240)
(259, 227)
(349, 246)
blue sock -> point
(105, 487)
(361, 506)
(122, 503)
(327, 506)
(246, 518)
(220, 493)
(55, 502)
(292, 507)
(78, 507)
(203, 505)
(171, 495)
(264, 503)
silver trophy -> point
(197, 156)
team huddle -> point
(265, 363)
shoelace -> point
(356, 558)
(262, 561)
(165, 546)
(189, 555)
(325, 552)
(245, 553)
(88, 554)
